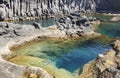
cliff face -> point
(13, 8)
(18, 8)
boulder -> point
(116, 45)
(112, 69)
(116, 18)
(3, 31)
(4, 28)
(60, 27)
(70, 32)
(37, 25)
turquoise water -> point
(43, 22)
(103, 17)
(108, 27)
(70, 55)
(111, 29)
(82, 53)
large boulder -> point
(116, 45)
(3, 32)
(116, 18)
(37, 25)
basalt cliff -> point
(40, 8)
(28, 8)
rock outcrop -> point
(106, 65)
(37, 25)
(15, 35)
(76, 25)
(116, 18)
(12, 30)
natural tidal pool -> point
(65, 54)
(69, 55)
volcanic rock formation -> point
(76, 25)
(105, 66)
(27, 8)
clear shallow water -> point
(80, 55)
(70, 55)
(67, 54)
(103, 17)
(43, 22)
(111, 29)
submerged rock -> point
(117, 18)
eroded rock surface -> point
(105, 66)
(32, 8)
(22, 9)
(16, 35)
(76, 25)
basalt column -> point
(31, 8)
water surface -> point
(67, 54)
(43, 22)
(111, 29)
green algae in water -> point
(66, 54)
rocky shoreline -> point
(15, 35)
(106, 65)
(71, 26)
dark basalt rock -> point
(75, 24)
(37, 25)
(55, 7)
